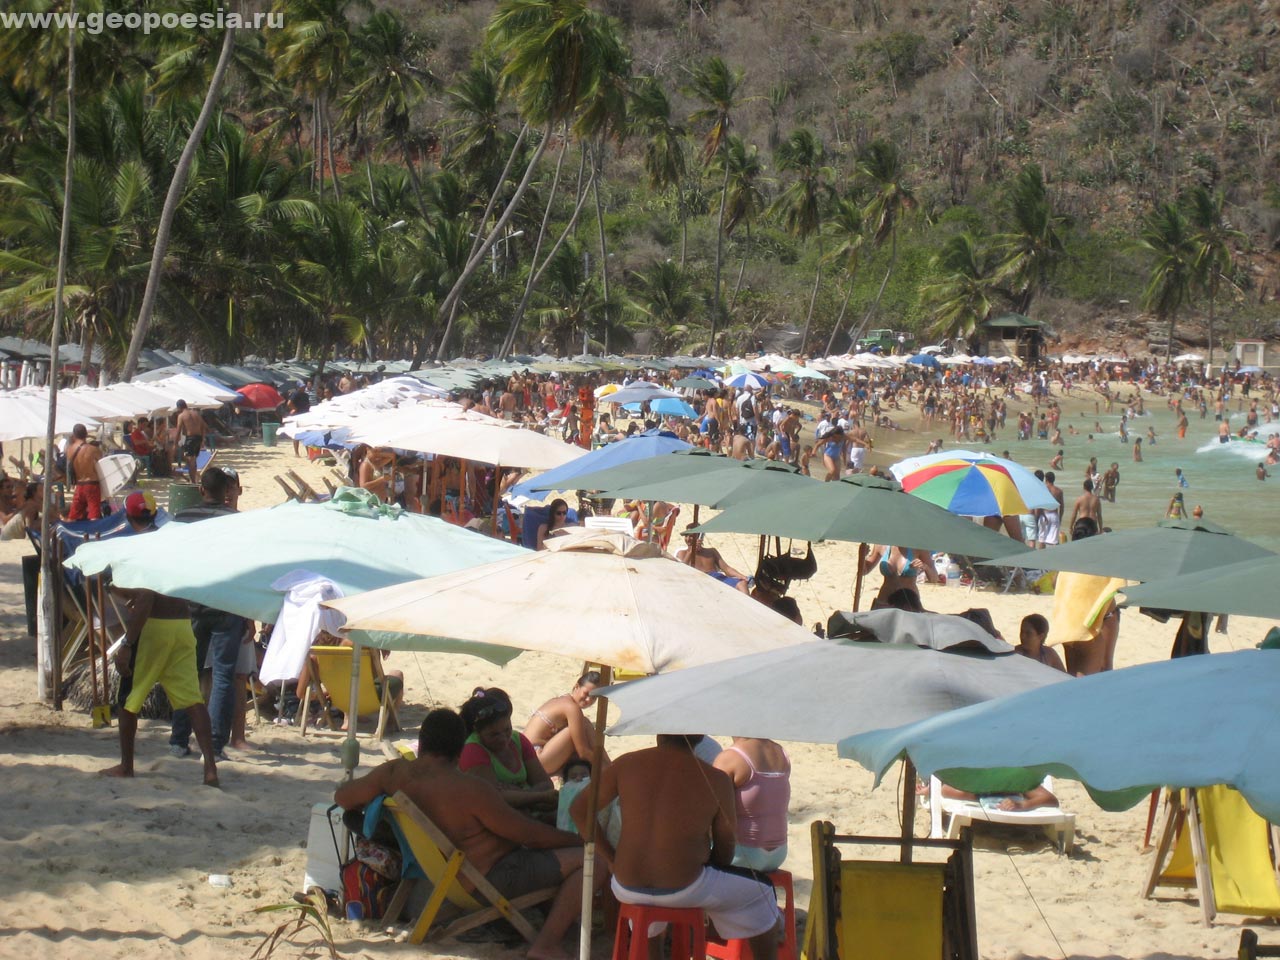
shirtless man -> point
(1048, 522)
(678, 834)
(740, 446)
(159, 647)
(517, 854)
(709, 561)
(191, 430)
(1087, 505)
(858, 442)
(507, 405)
(83, 455)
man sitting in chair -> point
(709, 561)
(518, 855)
(678, 838)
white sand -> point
(119, 868)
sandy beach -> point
(120, 868)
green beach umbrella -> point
(1191, 722)
(696, 383)
(1169, 549)
(1245, 588)
(860, 509)
(694, 476)
(229, 563)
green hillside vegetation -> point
(435, 179)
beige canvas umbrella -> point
(496, 443)
(640, 611)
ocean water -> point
(1221, 476)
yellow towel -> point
(1079, 601)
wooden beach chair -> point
(305, 492)
(959, 814)
(289, 492)
(437, 861)
(331, 672)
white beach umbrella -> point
(25, 417)
(499, 443)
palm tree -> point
(844, 227)
(1167, 234)
(556, 55)
(1212, 237)
(391, 80)
(663, 150)
(664, 302)
(717, 86)
(171, 200)
(964, 297)
(882, 168)
(575, 294)
(745, 200)
(476, 119)
(1033, 248)
(801, 202)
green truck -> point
(889, 341)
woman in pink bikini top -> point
(761, 773)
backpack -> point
(748, 410)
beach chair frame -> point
(373, 659)
(445, 866)
(1060, 826)
(959, 925)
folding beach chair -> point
(203, 459)
(880, 909)
(289, 492)
(959, 814)
(331, 672)
(305, 492)
(429, 855)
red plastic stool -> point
(688, 931)
(741, 949)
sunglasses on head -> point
(492, 710)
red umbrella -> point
(259, 396)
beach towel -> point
(1079, 602)
(300, 621)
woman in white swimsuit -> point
(559, 730)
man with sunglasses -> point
(709, 561)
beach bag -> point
(365, 892)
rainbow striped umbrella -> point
(973, 484)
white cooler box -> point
(324, 867)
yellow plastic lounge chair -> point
(885, 909)
(962, 813)
(445, 867)
(1213, 842)
(331, 670)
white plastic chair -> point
(1058, 825)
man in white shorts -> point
(677, 842)
(1049, 522)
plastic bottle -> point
(953, 574)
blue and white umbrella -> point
(753, 380)
(666, 407)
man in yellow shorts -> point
(159, 647)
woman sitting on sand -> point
(761, 772)
(496, 753)
(559, 730)
(899, 567)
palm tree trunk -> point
(536, 276)
(724, 198)
(1168, 347)
(477, 256)
(742, 268)
(50, 656)
(413, 172)
(875, 304)
(604, 244)
(317, 173)
(848, 292)
(813, 298)
(170, 209)
(684, 224)
(508, 342)
(1212, 299)
(328, 148)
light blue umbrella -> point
(667, 407)
(1192, 722)
(229, 563)
(652, 443)
(635, 393)
(925, 360)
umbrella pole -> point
(93, 642)
(589, 840)
(497, 480)
(350, 746)
(908, 808)
(863, 550)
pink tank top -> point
(762, 806)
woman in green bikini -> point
(495, 752)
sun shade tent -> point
(1122, 734)
(1170, 548)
